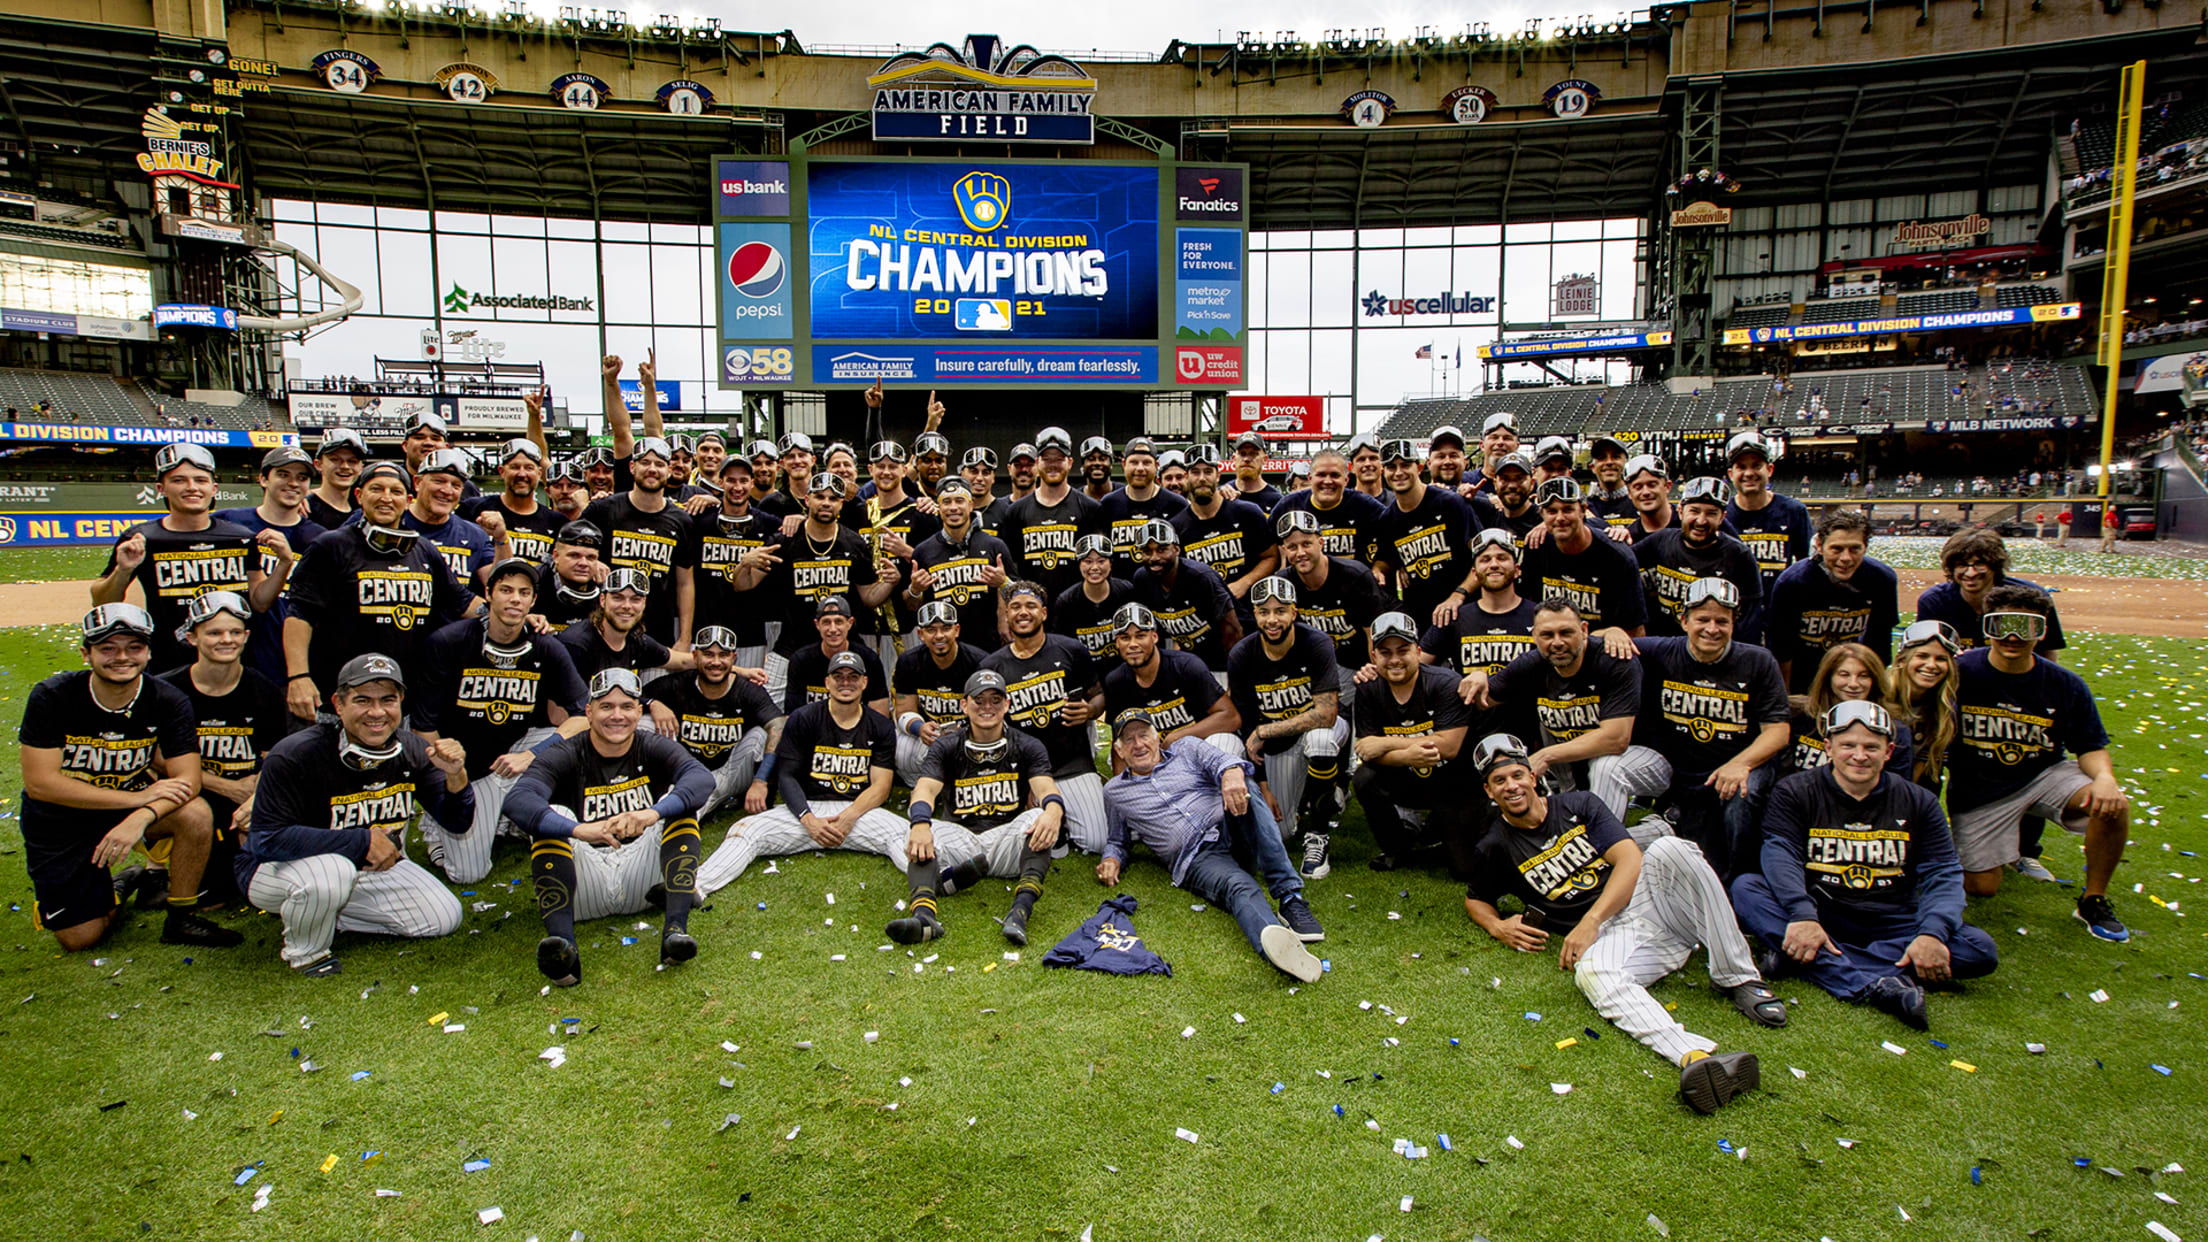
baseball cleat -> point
(185, 927)
(1709, 1083)
(560, 961)
(1901, 998)
(919, 929)
(676, 945)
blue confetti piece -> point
(1443, 1140)
(369, 1155)
(1977, 1177)
(1279, 1087)
(295, 1054)
(1590, 1032)
(1326, 966)
(2097, 1064)
(2187, 854)
(1454, 1042)
(1725, 1145)
(628, 940)
(358, 1075)
(467, 892)
(475, 1166)
(1935, 1043)
(1338, 1111)
(1531, 1016)
(762, 905)
(2163, 1070)
(2083, 1162)
(246, 1176)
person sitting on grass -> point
(1626, 917)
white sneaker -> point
(1283, 948)
(2032, 869)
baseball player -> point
(836, 763)
(1055, 697)
(109, 760)
(1626, 917)
(503, 690)
(929, 683)
(1173, 687)
(1775, 527)
(1192, 602)
(988, 776)
(1129, 509)
(325, 846)
(338, 460)
(186, 552)
(1085, 610)
(572, 577)
(1410, 727)
(1287, 687)
(1673, 559)
(614, 814)
(1840, 595)
(241, 717)
(1043, 526)
(805, 674)
(723, 717)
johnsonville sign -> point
(1942, 234)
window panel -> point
(517, 264)
(517, 226)
(675, 285)
(347, 213)
(628, 283)
(1288, 362)
(1333, 288)
(450, 221)
(404, 273)
(1288, 290)
(401, 218)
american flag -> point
(1424, 351)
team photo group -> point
(1632, 713)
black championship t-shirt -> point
(588, 651)
(1038, 686)
(941, 691)
(1342, 607)
(1778, 534)
(1429, 549)
(829, 762)
(957, 571)
(1183, 692)
(181, 566)
(715, 550)
(979, 796)
(557, 605)
(1433, 707)
(811, 570)
(657, 543)
(1125, 516)
(485, 708)
(1231, 541)
(1481, 641)
(360, 600)
(1557, 868)
(1602, 580)
(236, 730)
(1042, 538)
(1349, 530)
(1267, 690)
(112, 750)
(528, 535)
(1189, 608)
(2012, 726)
(596, 787)
(1669, 565)
(1563, 707)
(1076, 616)
(1701, 715)
(708, 727)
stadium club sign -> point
(1942, 234)
(983, 91)
(1553, 346)
(1575, 295)
(1701, 215)
(169, 151)
(2050, 312)
(1376, 304)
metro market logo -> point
(461, 302)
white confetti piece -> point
(756, 955)
(2162, 1231)
(792, 1134)
(1798, 1073)
(2097, 996)
(1904, 1213)
(491, 1215)
(1891, 1046)
(1512, 1139)
(906, 1081)
(386, 1194)
(1662, 1230)
(1405, 1205)
(1239, 1019)
(873, 1037)
(2164, 1197)
(1560, 1088)
(454, 1028)
(214, 1056)
(1847, 1143)
(831, 899)
(1184, 1134)
(1187, 1032)
(2035, 1049)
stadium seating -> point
(96, 399)
(2026, 295)
(1945, 301)
(1840, 311)
(250, 413)
(1759, 316)
(73, 237)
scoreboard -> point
(837, 272)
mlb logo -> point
(984, 314)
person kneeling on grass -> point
(631, 800)
(1860, 890)
(989, 776)
(1634, 916)
(1193, 808)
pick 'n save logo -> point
(984, 200)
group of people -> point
(1631, 713)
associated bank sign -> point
(462, 302)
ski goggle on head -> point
(108, 620)
(1922, 632)
(1708, 590)
(1273, 590)
(607, 680)
(635, 581)
(1843, 716)
(714, 637)
(2027, 626)
(1498, 750)
(205, 608)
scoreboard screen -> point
(838, 272)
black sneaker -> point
(676, 946)
(153, 888)
(321, 968)
(1383, 862)
(1015, 925)
(127, 880)
(1901, 998)
(560, 961)
(2100, 918)
(1709, 1083)
(185, 927)
(1296, 912)
(918, 929)
(1315, 864)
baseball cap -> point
(379, 469)
(1022, 449)
(715, 435)
(520, 447)
(362, 669)
(736, 461)
(1500, 418)
(1747, 442)
(1052, 438)
(277, 458)
(1518, 460)
(952, 483)
(1140, 444)
(1596, 444)
(444, 461)
(1135, 717)
(1248, 439)
(423, 418)
(341, 438)
(1444, 434)
(985, 681)
(171, 456)
(109, 619)
(607, 680)
(580, 534)
(1394, 625)
(831, 606)
(846, 661)
(510, 566)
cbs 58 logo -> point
(759, 364)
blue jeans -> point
(1259, 848)
(1730, 832)
(1216, 875)
(1869, 944)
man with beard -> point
(434, 515)
(1552, 459)
(822, 559)
(1287, 688)
(1173, 472)
(1598, 576)
(567, 489)
(1364, 463)
(1348, 519)
(990, 775)
(1052, 684)
(326, 846)
(187, 552)
(1096, 467)
(1634, 915)
(1425, 539)
(930, 684)
(1775, 527)
(834, 769)
(1043, 526)
(767, 496)
(569, 582)
(1335, 595)
(794, 454)
(726, 721)
(1234, 537)
(1445, 460)
(339, 459)
(1840, 595)
(894, 523)
(1249, 474)
(725, 538)
(241, 717)
(286, 474)
(1131, 507)
(1023, 463)
(959, 566)
(647, 532)
(1497, 626)
(1189, 598)
(1675, 559)
(109, 761)
(598, 473)
(612, 634)
(502, 690)
(979, 469)
(1084, 611)
(807, 679)
(1498, 439)
(514, 516)
(1608, 499)
(614, 816)
(371, 585)
(1584, 703)
(931, 455)
(1180, 694)
(427, 434)
(1410, 726)
(1508, 500)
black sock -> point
(1034, 865)
(922, 880)
(678, 871)
(1321, 774)
(963, 876)
(552, 864)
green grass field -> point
(1003, 1100)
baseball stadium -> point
(1650, 565)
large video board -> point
(838, 272)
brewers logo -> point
(984, 200)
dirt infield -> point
(2157, 607)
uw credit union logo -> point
(984, 200)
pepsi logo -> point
(757, 270)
